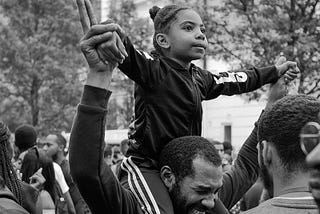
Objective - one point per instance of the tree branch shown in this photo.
(314, 88)
(227, 50)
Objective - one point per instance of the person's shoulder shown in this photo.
(263, 208)
(57, 171)
(56, 167)
(10, 206)
(46, 199)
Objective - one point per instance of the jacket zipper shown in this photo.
(197, 100)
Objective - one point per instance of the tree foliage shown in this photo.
(40, 63)
(255, 32)
(121, 105)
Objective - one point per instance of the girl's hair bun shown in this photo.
(153, 12)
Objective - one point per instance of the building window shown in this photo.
(227, 133)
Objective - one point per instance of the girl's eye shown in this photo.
(203, 30)
(188, 27)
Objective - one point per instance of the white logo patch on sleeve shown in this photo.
(231, 77)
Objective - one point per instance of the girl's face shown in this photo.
(186, 37)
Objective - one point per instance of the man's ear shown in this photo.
(61, 148)
(167, 177)
(266, 153)
(163, 40)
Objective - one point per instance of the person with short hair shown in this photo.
(55, 146)
(309, 141)
(283, 168)
(25, 137)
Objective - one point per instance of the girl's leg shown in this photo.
(144, 181)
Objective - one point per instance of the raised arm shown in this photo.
(95, 180)
(245, 170)
(230, 83)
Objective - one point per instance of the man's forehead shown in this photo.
(205, 173)
(50, 139)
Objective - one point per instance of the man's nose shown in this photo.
(209, 202)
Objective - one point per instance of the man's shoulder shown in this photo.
(285, 206)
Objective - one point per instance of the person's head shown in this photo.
(227, 148)
(179, 33)
(116, 154)
(190, 168)
(25, 137)
(6, 168)
(54, 145)
(219, 147)
(280, 155)
(34, 160)
(309, 141)
(124, 145)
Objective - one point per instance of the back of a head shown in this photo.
(162, 19)
(179, 154)
(281, 126)
(227, 145)
(25, 137)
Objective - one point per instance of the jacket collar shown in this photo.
(175, 65)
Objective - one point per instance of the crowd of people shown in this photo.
(165, 166)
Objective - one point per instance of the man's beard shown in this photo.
(178, 201)
(266, 179)
(54, 156)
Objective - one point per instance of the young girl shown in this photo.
(169, 90)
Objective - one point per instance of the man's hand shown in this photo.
(288, 69)
(97, 35)
(280, 89)
(112, 51)
(37, 180)
(101, 62)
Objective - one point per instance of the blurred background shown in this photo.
(42, 69)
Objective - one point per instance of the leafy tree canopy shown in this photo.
(40, 63)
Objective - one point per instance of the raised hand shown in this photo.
(37, 180)
(98, 34)
(280, 88)
(288, 69)
(105, 44)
